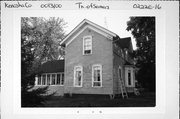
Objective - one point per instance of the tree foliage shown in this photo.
(143, 30)
(39, 40)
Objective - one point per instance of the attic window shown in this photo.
(87, 45)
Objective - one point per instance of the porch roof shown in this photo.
(124, 42)
(52, 67)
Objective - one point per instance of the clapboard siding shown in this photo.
(101, 54)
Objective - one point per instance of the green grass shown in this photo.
(79, 100)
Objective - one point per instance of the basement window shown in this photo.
(87, 45)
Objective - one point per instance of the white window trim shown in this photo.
(42, 80)
(132, 78)
(55, 79)
(50, 79)
(47, 79)
(91, 44)
(37, 80)
(93, 75)
(75, 76)
(61, 80)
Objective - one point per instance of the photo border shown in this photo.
(167, 59)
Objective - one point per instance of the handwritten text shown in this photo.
(91, 6)
(18, 5)
(51, 5)
(140, 6)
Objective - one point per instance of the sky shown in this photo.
(115, 21)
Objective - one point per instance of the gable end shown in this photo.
(92, 28)
(87, 24)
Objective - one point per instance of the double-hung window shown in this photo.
(39, 80)
(48, 79)
(53, 80)
(78, 76)
(62, 80)
(129, 77)
(87, 45)
(43, 79)
(58, 79)
(97, 76)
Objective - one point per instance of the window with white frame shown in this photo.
(97, 76)
(39, 80)
(58, 79)
(87, 45)
(62, 79)
(43, 79)
(78, 76)
(51, 79)
(129, 77)
(48, 79)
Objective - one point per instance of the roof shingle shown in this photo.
(52, 67)
(124, 42)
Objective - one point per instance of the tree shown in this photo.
(39, 39)
(49, 33)
(143, 30)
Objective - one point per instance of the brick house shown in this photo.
(95, 60)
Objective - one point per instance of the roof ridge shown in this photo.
(93, 25)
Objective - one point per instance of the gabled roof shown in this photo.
(52, 67)
(88, 24)
(124, 43)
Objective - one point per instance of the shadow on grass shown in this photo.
(81, 100)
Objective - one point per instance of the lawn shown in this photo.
(144, 100)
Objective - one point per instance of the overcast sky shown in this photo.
(115, 20)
